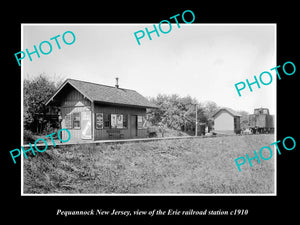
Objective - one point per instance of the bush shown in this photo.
(28, 136)
(197, 165)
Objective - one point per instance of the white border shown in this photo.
(165, 194)
(22, 111)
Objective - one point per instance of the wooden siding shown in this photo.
(73, 102)
(238, 124)
(102, 134)
(224, 122)
(74, 98)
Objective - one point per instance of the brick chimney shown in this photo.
(117, 82)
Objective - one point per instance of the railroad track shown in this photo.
(122, 141)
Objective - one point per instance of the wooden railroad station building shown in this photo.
(93, 111)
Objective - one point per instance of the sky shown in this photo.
(203, 61)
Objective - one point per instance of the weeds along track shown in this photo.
(203, 164)
(122, 141)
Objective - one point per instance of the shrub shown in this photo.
(28, 136)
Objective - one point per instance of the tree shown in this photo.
(244, 119)
(177, 112)
(36, 92)
(210, 108)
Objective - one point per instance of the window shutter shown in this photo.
(125, 121)
(106, 120)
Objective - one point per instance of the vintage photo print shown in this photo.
(169, 109)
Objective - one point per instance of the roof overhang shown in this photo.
(224, 109)
(56, 97)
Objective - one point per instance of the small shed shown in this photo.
(93, 111)
(227, 121)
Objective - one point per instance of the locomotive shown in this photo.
(261, 121)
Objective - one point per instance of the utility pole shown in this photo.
(196, 129)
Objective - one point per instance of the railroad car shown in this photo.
(261, 121)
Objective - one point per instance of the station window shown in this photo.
(76, 120)
(119, 121)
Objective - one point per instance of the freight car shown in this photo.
(261, 121)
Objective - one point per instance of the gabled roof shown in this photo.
(105, 94)
(229, 110)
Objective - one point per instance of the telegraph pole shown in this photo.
(196, 129)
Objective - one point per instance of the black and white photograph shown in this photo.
(183, 113)
(148, 113)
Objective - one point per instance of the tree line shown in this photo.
(179, 113)
(174, 111)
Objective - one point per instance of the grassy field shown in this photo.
(202, 165)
